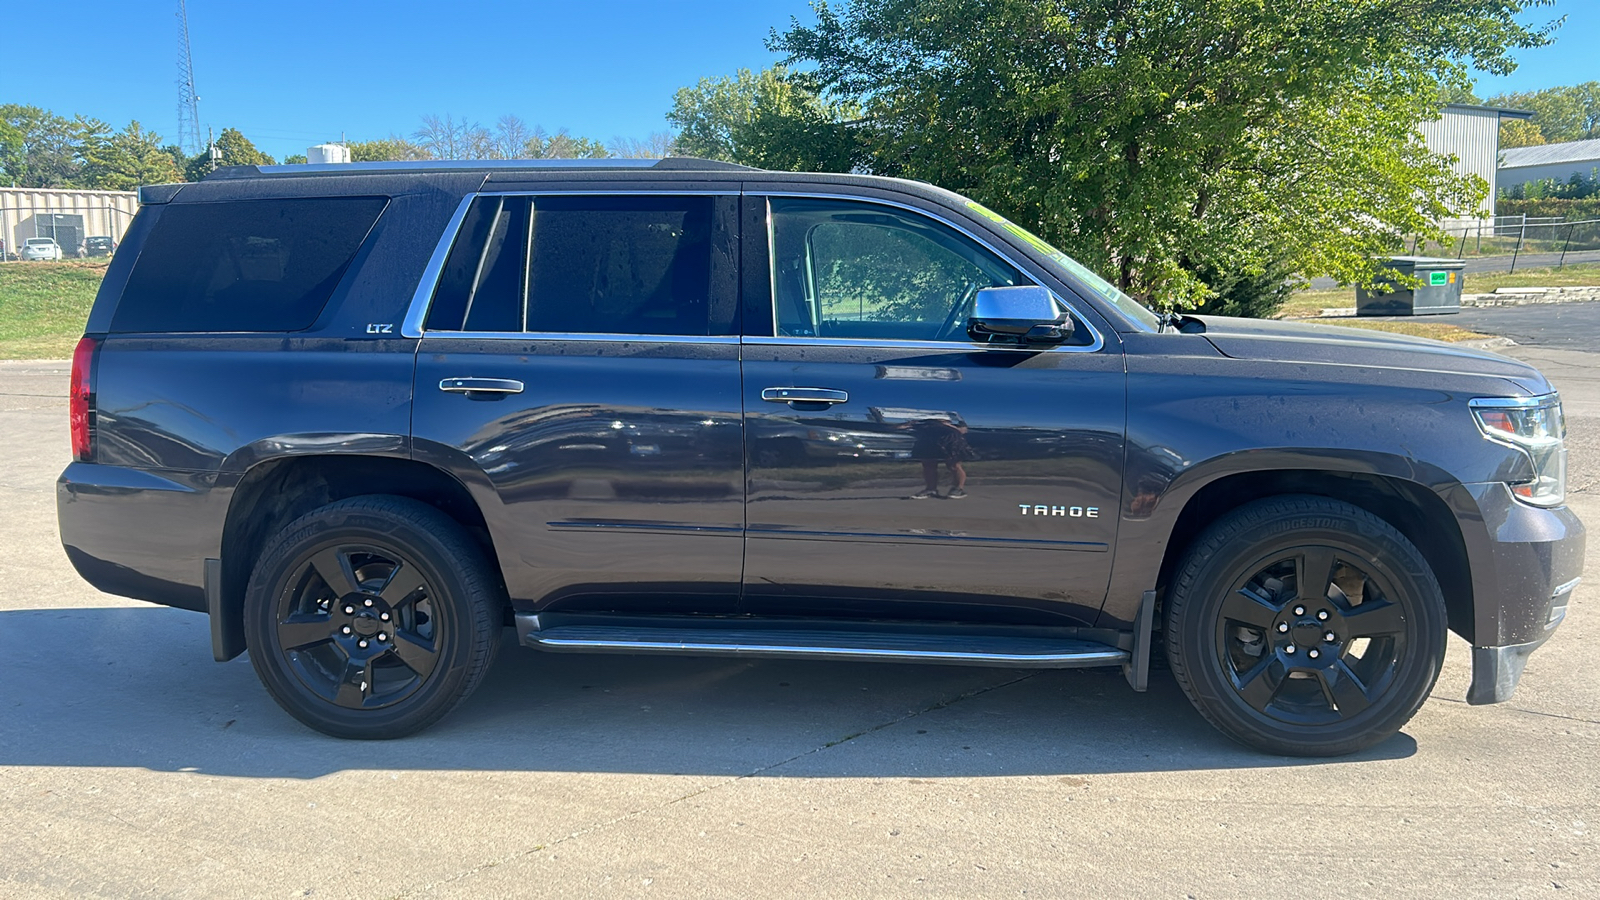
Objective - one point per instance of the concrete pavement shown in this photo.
(131, 765)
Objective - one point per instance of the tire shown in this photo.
(422, 628)
(1252, 650)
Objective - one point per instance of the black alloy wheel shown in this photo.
(1305, 626)
(372, 617)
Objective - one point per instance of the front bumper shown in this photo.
(1525, 562)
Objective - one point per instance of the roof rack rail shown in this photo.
(675, 163)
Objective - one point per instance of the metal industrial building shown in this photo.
(68, 216)
(1471, 134)
(1521, 165)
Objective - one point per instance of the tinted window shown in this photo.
(591, 265)
(856, 270)
(258, 265)
(482, 282)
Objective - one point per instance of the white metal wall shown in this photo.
(105, 213)
(1472, 136)
(1562, 172)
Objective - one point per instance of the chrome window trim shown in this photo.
(610, 337)
(1098, 343)
(893, 344)
(422, 298)
(417, 312)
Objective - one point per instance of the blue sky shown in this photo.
(294, 74)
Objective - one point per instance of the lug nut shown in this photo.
(384, 617)
(1330, 637)
(345, 630)
(349, 610)
(361, 644)
(1322, 615)
(1289, 649)
(1312, 653)
(1299, 610)
(382, 636)
(1282, 627)
(367, 602)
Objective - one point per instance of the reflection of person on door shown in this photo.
(941, 441)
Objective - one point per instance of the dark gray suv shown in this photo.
(367, 416)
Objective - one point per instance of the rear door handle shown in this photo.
(794, 395)
(481, 385)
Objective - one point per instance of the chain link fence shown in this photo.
(1507, 243)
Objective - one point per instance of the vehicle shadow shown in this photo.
(135, 687)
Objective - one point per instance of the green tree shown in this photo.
(41, 149)
(1570, 113)
(390, 149)
(236, 150)
(773, 119)
(126, 159)
(1520, 133)
(562, 145)
(295, 159)
(1172, 144)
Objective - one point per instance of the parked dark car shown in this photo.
(366, 416)
(99, 245)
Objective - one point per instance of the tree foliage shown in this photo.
(235, 150)
(1520, 133)
(124, 160)
(1568, 113)
(1176, 145)
(389, 149)
(773, 119)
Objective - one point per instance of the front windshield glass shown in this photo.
(1129, 307)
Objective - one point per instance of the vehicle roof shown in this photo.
(469, 176)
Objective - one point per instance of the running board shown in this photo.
(941, 646)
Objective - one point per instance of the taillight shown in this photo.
(81, 399)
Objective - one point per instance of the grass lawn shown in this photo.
(1439, 331)
(43, 306)
(1311, 303)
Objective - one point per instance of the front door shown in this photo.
(896, 467)
(579, 371)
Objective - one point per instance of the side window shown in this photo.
(578, 264)
(858, 270)
(250, 265)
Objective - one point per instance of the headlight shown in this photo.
(1535, 426)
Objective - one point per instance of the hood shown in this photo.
(1272, 340)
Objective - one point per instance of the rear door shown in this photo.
(579, 369)
(896, 467)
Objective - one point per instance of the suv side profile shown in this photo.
(365, 417)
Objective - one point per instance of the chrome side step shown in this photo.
(941, 646)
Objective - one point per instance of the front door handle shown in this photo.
(481, 386)
(793, 395)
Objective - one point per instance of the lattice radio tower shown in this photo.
(189, 137)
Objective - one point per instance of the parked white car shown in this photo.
(41, 248)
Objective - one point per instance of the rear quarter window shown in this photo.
(252, 266)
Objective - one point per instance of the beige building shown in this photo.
(66, 215)
(1471, 134)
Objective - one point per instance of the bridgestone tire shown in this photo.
(1252, 649)
(424, 606)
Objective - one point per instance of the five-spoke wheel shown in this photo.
(371, 617)
(1306, 626)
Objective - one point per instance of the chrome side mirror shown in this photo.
(1026, 314)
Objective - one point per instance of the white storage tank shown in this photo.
(328, 153)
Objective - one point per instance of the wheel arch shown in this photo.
(274, 492)
(1417, 512)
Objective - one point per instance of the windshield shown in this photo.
(1129, 307)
